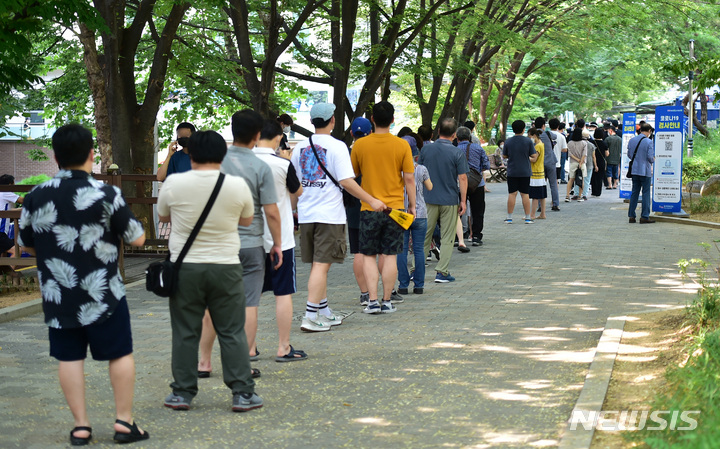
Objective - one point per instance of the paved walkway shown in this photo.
(495, 359)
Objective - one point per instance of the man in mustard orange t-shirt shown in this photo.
(386, 165)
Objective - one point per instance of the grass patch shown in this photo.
(694, 385)
(703, 205)
(706, 158)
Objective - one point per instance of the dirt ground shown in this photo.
(651, 343)
(17, 297)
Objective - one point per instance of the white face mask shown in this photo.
(286, 129)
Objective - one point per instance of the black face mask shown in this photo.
(183, 141)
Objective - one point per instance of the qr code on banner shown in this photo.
(668, 145)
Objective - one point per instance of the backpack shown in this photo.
(553, 139)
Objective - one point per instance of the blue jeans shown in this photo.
(639, 182)
(418, 230)
(563, 159)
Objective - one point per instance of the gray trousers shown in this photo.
(219, 288)
(551, 176)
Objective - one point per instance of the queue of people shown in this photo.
(246, 193)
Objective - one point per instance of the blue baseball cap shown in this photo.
(361, 127)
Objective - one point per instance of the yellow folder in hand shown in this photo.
(404, 219)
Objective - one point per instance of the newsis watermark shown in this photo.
(614, 420)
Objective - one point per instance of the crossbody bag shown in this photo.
(630, 165)
(348, 199)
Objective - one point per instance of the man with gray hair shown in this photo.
(549, 141)
(479, 162)
(448, 169)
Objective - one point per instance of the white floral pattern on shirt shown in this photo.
(76, 223)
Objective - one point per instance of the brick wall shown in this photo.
(14, 161)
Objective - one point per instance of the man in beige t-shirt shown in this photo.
(211, 274)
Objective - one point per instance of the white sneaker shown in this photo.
(309, 325)
(332, 320)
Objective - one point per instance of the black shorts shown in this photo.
(283, 280)
(354, 238)
(379, 234)
(108, 340)
(5, 243)
(516, 184)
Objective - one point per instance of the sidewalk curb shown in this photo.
(20, 310)
(596, 384)
(35, 306)
(592, 395)
(686, 221)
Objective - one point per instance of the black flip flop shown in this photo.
(204, 374)
(291, 356)
(255, 373)
(256, 357)
(131, 437)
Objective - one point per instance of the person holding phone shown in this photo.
(178, 159)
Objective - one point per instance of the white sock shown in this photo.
(311, 311)
(324, 309)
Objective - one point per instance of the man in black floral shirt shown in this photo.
(74, 225)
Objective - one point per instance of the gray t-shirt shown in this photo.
(242, 162)
(518, 150)
(550, 159)
(421, 175)
(444, 163)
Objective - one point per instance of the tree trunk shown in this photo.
(129, 127)
(701, 129)
(342, 32)
(97, 87)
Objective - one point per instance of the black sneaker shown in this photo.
(418, 290)
(395, 296)
(402, 291)
(476, 242)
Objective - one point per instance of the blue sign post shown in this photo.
(628, 124)
(667, 170)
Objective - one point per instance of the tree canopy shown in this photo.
(118, 63)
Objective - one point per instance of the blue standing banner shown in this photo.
(667, 170)
(628, 132)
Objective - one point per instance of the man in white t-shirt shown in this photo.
(321, 214)
(211, 275)
(560, 149)
(281, 281)
(7, 202)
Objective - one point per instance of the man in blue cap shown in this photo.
(360, 127)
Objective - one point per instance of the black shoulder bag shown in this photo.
(629, 172)
(348, 200)
(474, 177)
(161, 277)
